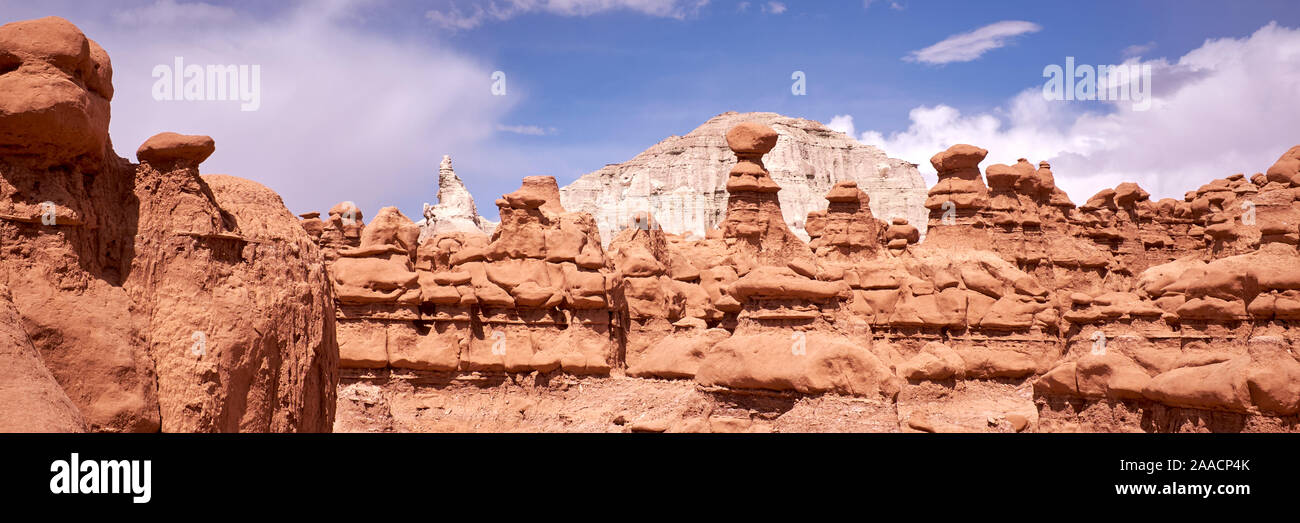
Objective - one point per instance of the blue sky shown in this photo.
(362, 98)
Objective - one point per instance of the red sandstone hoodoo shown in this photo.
(1119, 304)
(144, 297)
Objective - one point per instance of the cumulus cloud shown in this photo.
(1226, 107)
(344, 114)
(456, 17)
(969, 46)
(842, 123)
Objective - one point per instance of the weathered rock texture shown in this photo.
(682, 180)
(455, 211)
(143, 297)
(1020, 311)
(533, 296)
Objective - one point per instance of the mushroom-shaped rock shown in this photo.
(348, 212)
(750, 141)
(958, 157)
(172, 148)
(55, 87)
(536, 192)
(1128, 193)
(751, 138)
(754, 222)
(901, 230)
(960, 184)
(1287, 168)
(847, 192)
(1001, 176)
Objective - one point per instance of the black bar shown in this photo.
(580, 471)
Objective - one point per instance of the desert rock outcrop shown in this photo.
(455, 210)
(682, 180)
(156, 298)
(1054, 316)
(535, 296)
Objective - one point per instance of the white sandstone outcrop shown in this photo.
(682, 179)
(455, 211)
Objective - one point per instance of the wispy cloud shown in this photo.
(170, 12)
(965, 47)
(1138, 50)
(531, 130)
(775, 8)
(897, 6)
(456, 18)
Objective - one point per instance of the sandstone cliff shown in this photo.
(143, 297)
(681, 181)
(1021, 311)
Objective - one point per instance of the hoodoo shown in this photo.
(1018, 311)
(143, 297)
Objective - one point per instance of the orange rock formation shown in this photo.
(143, 297)
(1121, 303)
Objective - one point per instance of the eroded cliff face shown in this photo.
(1020, 311)
(144, 296)
(533, 296)
(681, 181)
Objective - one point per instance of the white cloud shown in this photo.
(531, 130)
(842, 123)
(965, 47)
(1226, 107)
(775, 8)
(1138, 49)
(455, 18)
(344, 115)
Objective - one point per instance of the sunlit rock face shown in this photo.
(143, 297)
(682, 180)
(455, 210)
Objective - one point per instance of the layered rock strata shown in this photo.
(1179, 311)
(682, 180)
(538, 295)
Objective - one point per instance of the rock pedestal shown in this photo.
(754, 226)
